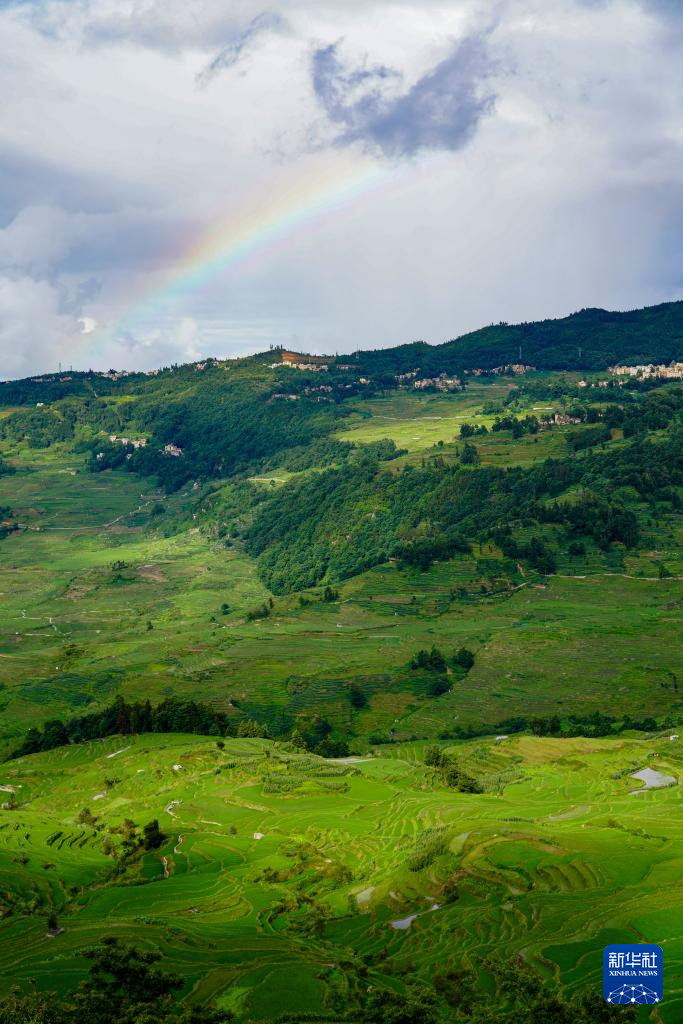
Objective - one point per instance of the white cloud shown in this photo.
(117, 167)
(34, 331)
(88, 324)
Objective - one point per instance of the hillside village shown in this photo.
(650, 371)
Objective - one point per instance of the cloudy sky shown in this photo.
(209, 178)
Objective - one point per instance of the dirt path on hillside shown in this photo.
(100, 526)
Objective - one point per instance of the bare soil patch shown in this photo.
(153, 573)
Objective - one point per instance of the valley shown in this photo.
(351, 691)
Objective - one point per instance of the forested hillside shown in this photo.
(591, 339)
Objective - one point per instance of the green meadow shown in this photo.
(419, 422)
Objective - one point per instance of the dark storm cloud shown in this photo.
(440, 111)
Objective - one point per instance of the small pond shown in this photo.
(652, 779)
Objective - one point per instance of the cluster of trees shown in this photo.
(54, 388)
(177, 715)
(469, 455)
(450, 770)
(314, 733)
(329, 451)
(123, 718)
(40, 428)
(468, 430)
(69, 419)
(262, 612)
(520, 997)
(124, 985)
(535, 552)
(519, 427)
(224, 421)
(434, 660)
(655, 411)
(650, 467)
(579, 440)
(606, 520)
(133, 843)
(224, 424)
(592, 725)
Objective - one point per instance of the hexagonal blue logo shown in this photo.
(632, 973)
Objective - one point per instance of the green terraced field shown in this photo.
(281, 874)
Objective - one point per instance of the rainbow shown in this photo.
(251, 234)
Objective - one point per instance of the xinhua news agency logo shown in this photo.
(632, 973)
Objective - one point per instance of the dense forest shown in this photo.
(345, 520)
(591, 339)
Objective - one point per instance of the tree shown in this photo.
(331, 748)
(37, 1008)
(418, 1005)
(152, 836)
(125, 986)
(357, 697)
(438, 686)
(469, 456)
(464, 658)
(249, 728)
(456, 778)
(297, 740)
(433, 756)
(432, 660)
(108, 848)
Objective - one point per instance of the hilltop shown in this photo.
(590, 339)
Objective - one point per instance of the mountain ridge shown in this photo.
(648, 333)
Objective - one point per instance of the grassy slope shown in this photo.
(556, 847)
(595, 636)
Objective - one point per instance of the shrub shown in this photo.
(464, 658)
